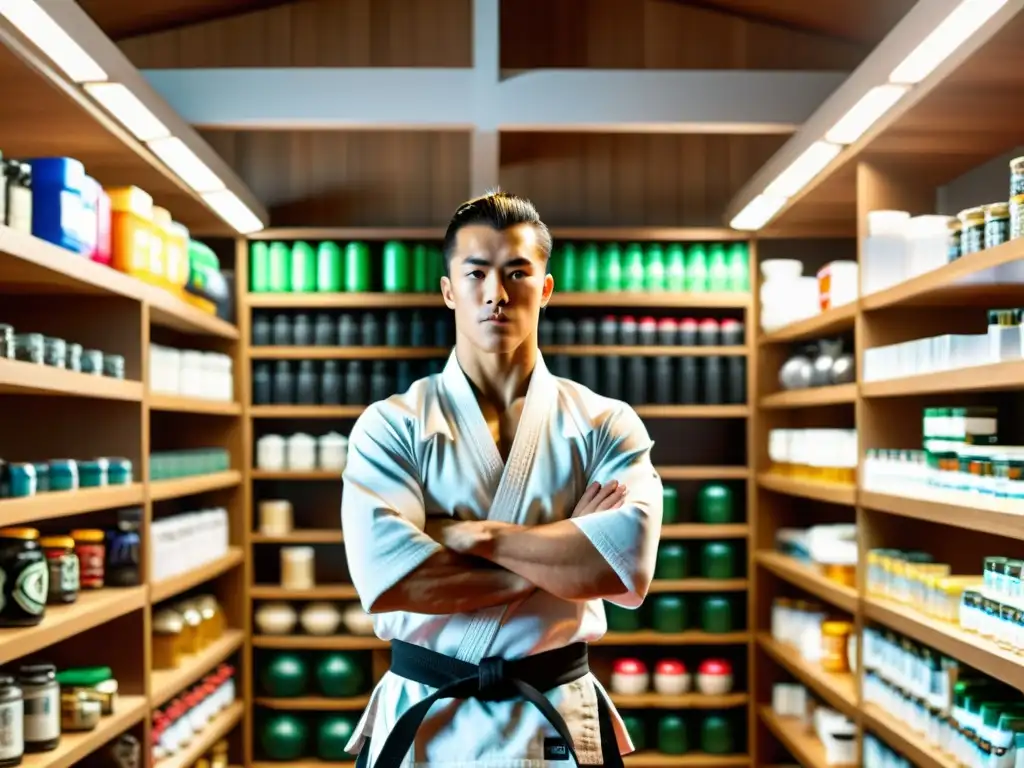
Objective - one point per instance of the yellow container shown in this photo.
(835, 637)
(158, 246)
(131, 231)
(176, 257)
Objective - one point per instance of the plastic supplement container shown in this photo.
(132, 230)
(927, 244)
(885, 251)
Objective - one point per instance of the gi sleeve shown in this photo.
(626, 537)
(382, 510)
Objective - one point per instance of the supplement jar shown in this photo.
(89, 547)
(62, 564)
(997, 224)
(41, 694)
(26, 579)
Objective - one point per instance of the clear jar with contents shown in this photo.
(954, 229)
(297, 568)
(62, 563)
(972, 232)
(41, 693)
(997, 224)
(12, 729)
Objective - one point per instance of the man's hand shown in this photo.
(472, 537)
(598, 498)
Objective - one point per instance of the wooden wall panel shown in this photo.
(631, 179)
(351, 178)
(319, 33)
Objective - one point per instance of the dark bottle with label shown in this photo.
(636, 391)
(687, 332)
(325, 332)
(663, 380)
(611, 378)
(370, 331)
(736, 384)
(609, 330)
(284, 383)
(302, 330)
(586, 331)
(348, 331)
(713, 380)
(380, 382)
(589, 372)
(565, 332)
(417, 330)
(403, 376)
(708, 332)
(261, 331)
(355, 384)
(261, 384)
(668, 332)
(394, 330)
(122, 550)
(731, 332)
(546, 332)
(441, 326)
(282, 331)
(306, 386)
(647, 331)
(628, 331)
(41, 693)
(686, 382)
(330, 383)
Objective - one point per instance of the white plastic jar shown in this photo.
(270, 453)
(301, 452)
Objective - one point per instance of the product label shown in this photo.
(31, 587)
(12, 739)
(555, 749)
(42, 712)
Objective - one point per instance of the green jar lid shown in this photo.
(84, 677)
(672, 735)
(118, 463)
(93, 466)
(63, 467)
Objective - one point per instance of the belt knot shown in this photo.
(492, 683)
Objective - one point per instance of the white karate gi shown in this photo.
(428, 453)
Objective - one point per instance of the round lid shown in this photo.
(648, 321)
(709, 322)
(57, 542)
(688, 322)
(715, 667)
(190, 613)
(630, 667)
(37, 671)
(207, 606)
(87, 534)
(670, 667)
(729, 322)
(628, 319)
(667, 322)
(168, 622)
(608, 319)
(26, 534)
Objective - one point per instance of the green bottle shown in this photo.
(259, 267)
(716, 736)
(675, 268)
(396, 267)
(672, 735)
(669, 613)
(420, 268)
(716, 560)
(654, 273)
(280, 267)
(718, 269)
(611, 268)
(636, 730)
(621, 619)
(340, 675)
(669, 505)
(283, 736)
(671, 562)
(714, 504)
(357, 267)
(716, 614)
(437, 268)
(633, 268)
(570, 269)
(697, 269)
(303, 267)
(285, 675)
(739, 268)
(332, 736)
(590, 269)
(328, 267)
(555, 266)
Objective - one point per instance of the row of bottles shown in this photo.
(628, 331)
(612, 267)
(359, 382)
(367, 329)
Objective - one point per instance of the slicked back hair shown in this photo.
(500, 210)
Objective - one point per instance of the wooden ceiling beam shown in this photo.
(788, 25)
(122, 21)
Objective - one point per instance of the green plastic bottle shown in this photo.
(611, 268)
(716, 614)
(357, 267)
(437, 270)
(739, 268)
(570, 269)
(555, 266)
(672, 735)
(669, 613)
(397, 274)
(675, 268)
(332, 736)
(633, 268)
(672, 562)
(669, 505)
(303, 267)
(654, 272)
(283, 736)
(590, 269)
(621, 619)
(718, 269)
(715, 504)
(717, 561)
(697, 269)
(716, 736)
(285, 675)
(420, 268)
(259, 267)
(328, 267)
(280, 267)
(637, 731)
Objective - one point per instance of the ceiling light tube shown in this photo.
(124, 105)
(757, 212)
(966, 19)
(865, 113)
(233, 211)
(800, 172)
(48, 36)
(184, 162)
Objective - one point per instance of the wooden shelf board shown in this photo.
(652, 759)
(175, 585)
(314, 234)
(828, 323)
(161, 490)
(54, 504)
(318, 643)
(978, 378)
(839, 394)
(703, 473)
(833, 493)
(667, 300)
(692, 637)
(344, 300)
(683, 701)
(322, 592)
(640, 234)
(704, 531)
(300, 536)
(348, 353)
(316, 703)
(306, 411)
(999, 517)
(288, 474)
(179, 404)
(653, 350)
(839, 690)
(900, 737)
(219, 727)
(972, 649)
(793, 735)
(21, 378)
(164, 684)
(659, 586)
(93, 608)
(168, 311)
(692, 411)
(76, 746)
(809, 579)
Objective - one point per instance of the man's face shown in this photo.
(497, 283)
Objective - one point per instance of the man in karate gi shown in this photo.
(487, 512)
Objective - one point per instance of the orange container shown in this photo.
(131, 231)
(176, 257)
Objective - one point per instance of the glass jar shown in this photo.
(297, 568)
(168, 627)
(122, 566)
(89, 546)
(192, 642)
(213, 624)
(26, 577)
(953, 248)
(41, 692)
(997, 224)
(972, 233)
(62, 563)
(12, 738)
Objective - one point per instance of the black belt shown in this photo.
(495, 679)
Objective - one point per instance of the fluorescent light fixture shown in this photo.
(130, 112)
(865, 113)
(48, 36)
(803, 169)
(964, 21)
(233, 211)
(184, 162)
(757, 212)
